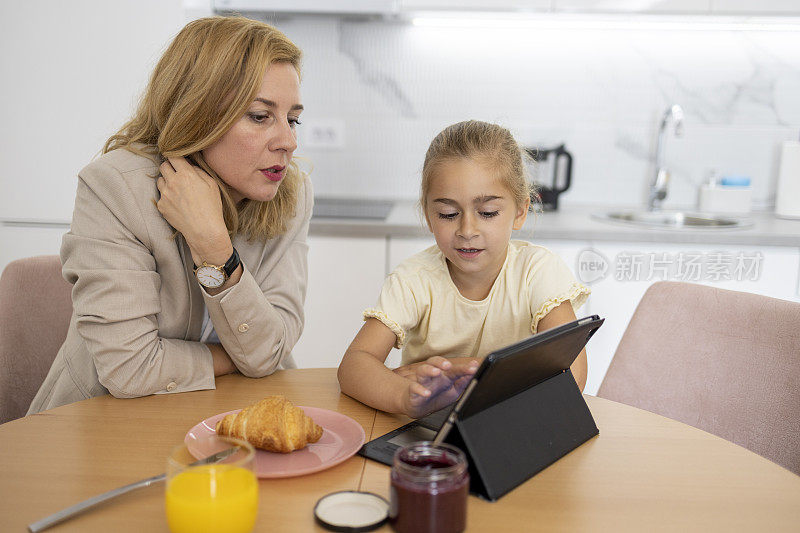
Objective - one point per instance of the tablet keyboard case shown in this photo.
(528, 414)
(511, 441)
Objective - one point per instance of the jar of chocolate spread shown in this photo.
(429, 488)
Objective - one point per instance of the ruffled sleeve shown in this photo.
(551, 283)
(396, 308)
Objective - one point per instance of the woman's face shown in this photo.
(252, 156)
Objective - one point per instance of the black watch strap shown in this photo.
(232, 263)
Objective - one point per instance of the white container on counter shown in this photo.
(787, 194)
(730, 194)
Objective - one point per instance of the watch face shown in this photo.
(210, 277)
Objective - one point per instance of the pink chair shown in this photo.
(722, 361)
(35, 310)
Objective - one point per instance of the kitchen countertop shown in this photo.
(568, 223)
(574, 223)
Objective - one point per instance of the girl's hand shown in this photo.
(191, 203)
(435, 383)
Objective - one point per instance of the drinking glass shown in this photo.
(219, 497)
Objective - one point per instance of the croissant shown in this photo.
(273, 424)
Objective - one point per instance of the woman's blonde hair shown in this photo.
(204, 82)
(487, 143)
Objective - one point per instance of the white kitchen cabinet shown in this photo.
(633, 267)
(26, 240)
(307, 6)
(626, 6)
(748, 7)
(665, 7)
(476, 5)
(344, 278)
(391, 7)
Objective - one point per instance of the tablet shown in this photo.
(502, 374)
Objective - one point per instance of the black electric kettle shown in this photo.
(561, 164)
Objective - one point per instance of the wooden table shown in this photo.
(643, 473)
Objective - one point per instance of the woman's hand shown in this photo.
(191, 203)
(223, 364)
(435, 383)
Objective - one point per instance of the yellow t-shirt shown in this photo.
(422, 306)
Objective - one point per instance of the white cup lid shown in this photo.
(351, 511)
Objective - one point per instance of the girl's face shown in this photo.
(471, 214)
(252, 156)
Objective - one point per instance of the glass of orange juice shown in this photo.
(220, 497)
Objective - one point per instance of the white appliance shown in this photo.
(787, 194)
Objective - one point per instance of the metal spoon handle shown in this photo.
(69, 512)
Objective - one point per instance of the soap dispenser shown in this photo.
(730, 194)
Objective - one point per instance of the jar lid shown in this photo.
(351, 511)
(429, 462)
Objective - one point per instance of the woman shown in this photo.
(187, 248)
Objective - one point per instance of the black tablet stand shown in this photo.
(510, 441)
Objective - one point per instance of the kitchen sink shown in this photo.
(673, 220)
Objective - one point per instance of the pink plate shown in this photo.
(341, 439)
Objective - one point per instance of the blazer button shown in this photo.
(172, 386)
(243, 328)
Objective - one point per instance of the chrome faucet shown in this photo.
(658, 187)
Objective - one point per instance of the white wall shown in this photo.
(394, 86)
(72, 71)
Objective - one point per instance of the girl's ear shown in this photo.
(522, 214)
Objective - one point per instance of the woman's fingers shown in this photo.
(166, 169)
(185, 167)
(180, 164)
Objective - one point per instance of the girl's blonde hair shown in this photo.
(204, 82)
(485, 142)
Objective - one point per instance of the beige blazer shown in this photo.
(137, 307)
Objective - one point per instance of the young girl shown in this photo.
(476, 291)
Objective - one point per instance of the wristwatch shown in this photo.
(213, 276)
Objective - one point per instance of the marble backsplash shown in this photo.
(393, 86)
